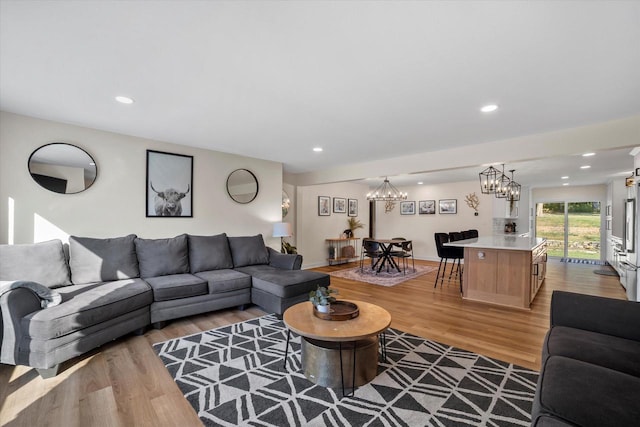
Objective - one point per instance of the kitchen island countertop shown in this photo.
(500, 242)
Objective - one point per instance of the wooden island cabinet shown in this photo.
(505, 270)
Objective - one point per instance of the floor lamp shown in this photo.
(282, 230)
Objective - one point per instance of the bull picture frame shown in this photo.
(169, 187)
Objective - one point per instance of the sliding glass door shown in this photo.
(572, 229)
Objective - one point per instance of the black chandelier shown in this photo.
(492, 181)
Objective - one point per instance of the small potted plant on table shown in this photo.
(321, 298)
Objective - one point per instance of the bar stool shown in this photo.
(448, 253)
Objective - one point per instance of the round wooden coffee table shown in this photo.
(330, 348)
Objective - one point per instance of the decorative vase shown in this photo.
(324, 308)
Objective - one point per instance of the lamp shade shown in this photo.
(282, 229)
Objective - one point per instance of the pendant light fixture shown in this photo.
(513, 189)
(488, 178)
(386, 192)
(501, 185)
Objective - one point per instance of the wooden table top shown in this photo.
(371, 321)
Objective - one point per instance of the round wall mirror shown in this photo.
(242, 186)
(62, 168)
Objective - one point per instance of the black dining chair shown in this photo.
(448, 253)
(370, 249)
(405, 252)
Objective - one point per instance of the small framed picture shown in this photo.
(324, 205)
(427, 207)
(407, 208)
(353, 207)
(169, 185)
(339, 205)
(448, 206)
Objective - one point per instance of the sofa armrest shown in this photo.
(608, 316)
(14, 305)
(284, 261)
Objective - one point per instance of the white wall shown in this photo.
(421, 228)
(115, 204)
(312, 229)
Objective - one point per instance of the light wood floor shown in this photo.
(124, 383)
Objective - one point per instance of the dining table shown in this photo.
(386, 257)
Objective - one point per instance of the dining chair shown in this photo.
(447, 253)
(370, 249)
(405, 253)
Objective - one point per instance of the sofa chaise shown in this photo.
(590, 373)
(56, 306)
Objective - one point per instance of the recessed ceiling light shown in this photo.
(489, 108)
(317, 149)
(564, 177)
(92, 164)
(566, 183)
(588, 154)
(585, 167)
(420, 182)
(124, 99)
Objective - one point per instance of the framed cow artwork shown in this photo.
(169, 185)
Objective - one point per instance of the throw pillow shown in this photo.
(161, 257)
(44, 263)
(102, 260)
(248, 250)
(209, 253)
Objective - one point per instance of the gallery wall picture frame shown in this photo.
(427, 207)
(352, 207)
(407, 208)
(448, 206)
(339, 205)
(169, 189)
(324, 205)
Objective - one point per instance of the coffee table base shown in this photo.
(322, 364)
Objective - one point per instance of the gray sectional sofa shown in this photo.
(106, 288)
(590, 373)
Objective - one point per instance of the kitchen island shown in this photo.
(503, 269)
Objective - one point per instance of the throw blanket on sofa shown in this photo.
(48, 297)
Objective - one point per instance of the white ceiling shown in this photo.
(364, 80)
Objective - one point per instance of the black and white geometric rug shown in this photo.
(234, 376)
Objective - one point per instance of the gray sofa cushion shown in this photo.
(87, 305)
(220, 281)
(248, 250)
(43, 263)
(285, 283)
(102, 260)
(161, 257)
(605, 350)
(209, 253)
(177, 286)
(586, 394)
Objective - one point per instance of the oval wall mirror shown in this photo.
(286, 203)
(62, 168)
(242, 186)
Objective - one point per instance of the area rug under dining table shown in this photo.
(383, 278)
(234, 376)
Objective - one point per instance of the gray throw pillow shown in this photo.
(209, 253)
(161, 257)
(248, 250)
(102, 260)
(43, 263)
